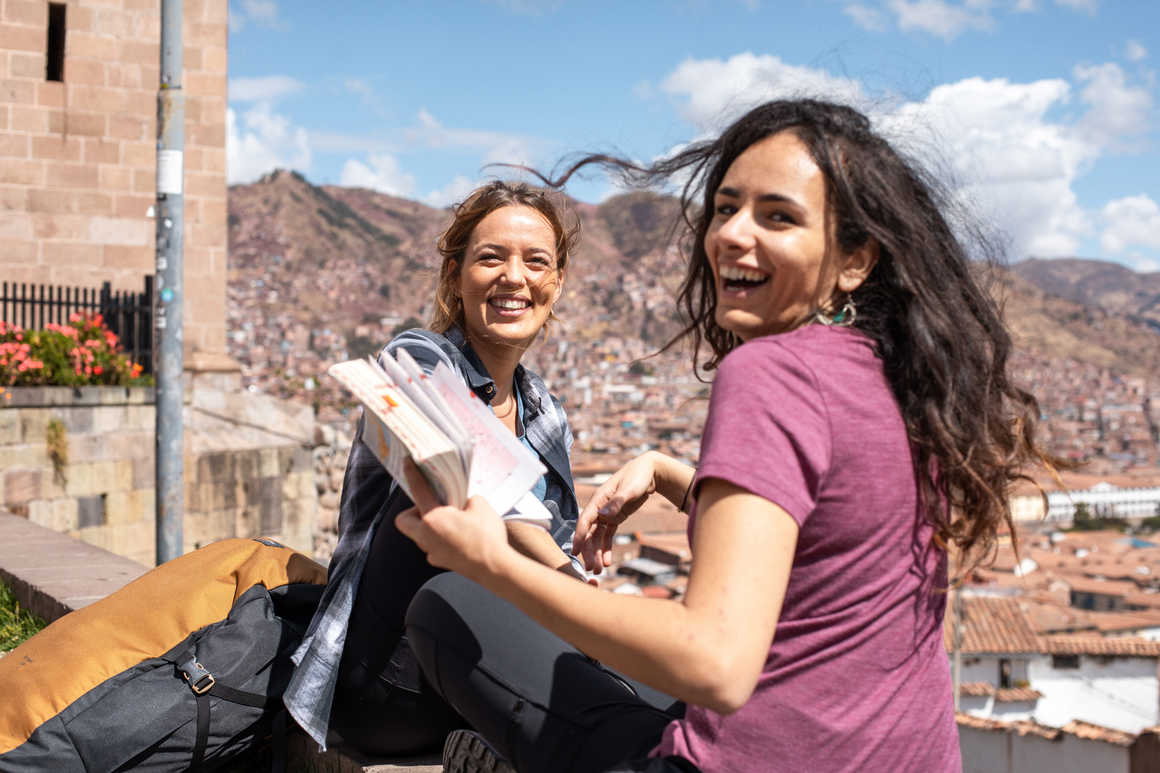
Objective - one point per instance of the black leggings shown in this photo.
(540, 702)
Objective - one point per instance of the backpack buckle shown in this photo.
(199, 678)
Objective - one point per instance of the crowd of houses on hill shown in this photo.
(1091, 414)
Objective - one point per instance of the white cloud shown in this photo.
(497, 147)
(1116, 109)
(865, 17)
(383, 174)
(1009, 161)
(262, 141)
(1130, 221)
(1013, 151)
(452, 193)
(717, 91)
(940, 18)
(264, 13)
(1088, 6)
(266, 89)
(1026, 6)
(1135, 51)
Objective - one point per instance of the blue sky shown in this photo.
(1042, 113)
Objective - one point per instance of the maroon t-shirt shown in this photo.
(856, 677)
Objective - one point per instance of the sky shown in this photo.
(1042, 115)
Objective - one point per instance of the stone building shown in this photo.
(78, 138)
(78, 161)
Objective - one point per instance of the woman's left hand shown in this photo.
(467, 541)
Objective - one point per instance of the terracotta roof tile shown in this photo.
(1076, 728)
(991, 624)
(1087, 730)
(1016, 694)
(1129, 646)
(976, 689)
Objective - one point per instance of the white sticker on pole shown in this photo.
(169, 172)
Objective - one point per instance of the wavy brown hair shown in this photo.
(452, 245)
(938, 332)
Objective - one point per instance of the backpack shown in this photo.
(181, 669)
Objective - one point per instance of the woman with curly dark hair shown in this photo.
(861, 422)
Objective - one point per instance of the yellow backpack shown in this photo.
(182, 668)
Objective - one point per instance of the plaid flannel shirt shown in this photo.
(369, 493)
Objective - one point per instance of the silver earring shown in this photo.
(844, 318)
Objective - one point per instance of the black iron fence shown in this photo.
(128, 314)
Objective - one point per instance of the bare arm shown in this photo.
(622, 495)
(707, 649)
(537, 544)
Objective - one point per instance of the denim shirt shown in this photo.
(369, 494)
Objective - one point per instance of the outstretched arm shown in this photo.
(622, 495)
(707, 649)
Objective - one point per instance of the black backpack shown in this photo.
(181, 669)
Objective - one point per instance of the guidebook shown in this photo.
(452, 436)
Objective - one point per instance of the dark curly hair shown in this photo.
(938, 332)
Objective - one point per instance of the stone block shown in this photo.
(136, 540)
(93, 510)
(97, 536)
(22, 485)
(77, 420)
(34, 456)
(61, 515)
(32, 424)
(268, 463)
(122, 479)
(141, 417)
(247, 522)
(109, 419)
(227, 495)
(88, 478)
(52, 486)
(125, 507)
(10, 428)
(145, 472)
(88, 448)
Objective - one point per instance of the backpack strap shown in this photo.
(204, 687)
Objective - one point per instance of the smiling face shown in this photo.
(509, 278)
(768, 238)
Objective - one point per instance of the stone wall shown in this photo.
(240, 479)
(78, 156)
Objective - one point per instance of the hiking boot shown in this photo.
(465, 751)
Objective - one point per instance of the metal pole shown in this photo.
(169, 213)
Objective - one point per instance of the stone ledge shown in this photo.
(65, 397)
(51, 574)
(303, 757)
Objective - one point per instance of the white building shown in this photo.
(1103, 498)
(1009, 673)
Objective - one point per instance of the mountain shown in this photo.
(336, 257)
(1110, 286)
(1091, 311)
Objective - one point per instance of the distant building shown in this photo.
(1118, 497)
(1009, 673)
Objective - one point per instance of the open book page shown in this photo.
(408, 376)
(502, 470)
(395, 428)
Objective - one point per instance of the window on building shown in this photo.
(54, 64)
(1004, 674)
(1064, 661)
